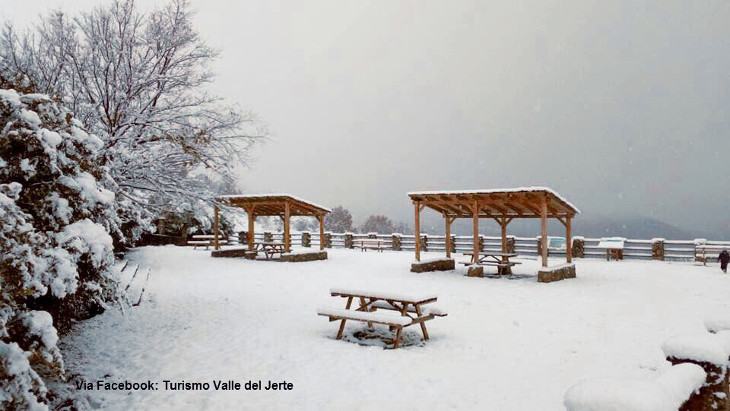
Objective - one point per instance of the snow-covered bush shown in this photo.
(56, 213)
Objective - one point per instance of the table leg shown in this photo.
(342, 323)
(397, 337)
(423, 324)
(364, 307)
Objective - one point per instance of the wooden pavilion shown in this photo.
(282, 205)
(502, 205)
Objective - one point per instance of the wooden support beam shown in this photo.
(251, 218)
(543, 218)
(568, 241)
(216, 243)
(503, 225)
(448, 236)
(475, 229)
(320, 218)
(417, 225)
(287, 216)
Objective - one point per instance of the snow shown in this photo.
(612, 243)
(718, 322)
(385, 295)
(98, 241)
(30, 117)
(499, 190)
(702, 347)
(507, 343)
(235, 196)
(668, 392)
(394, 318)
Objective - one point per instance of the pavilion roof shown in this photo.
(274, 204)
(520, 202)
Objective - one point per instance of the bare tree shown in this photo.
(339, 220)
(138, 82)
(377, 224)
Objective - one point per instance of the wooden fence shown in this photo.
(656, 249)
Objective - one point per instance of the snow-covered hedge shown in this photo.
(56, 213)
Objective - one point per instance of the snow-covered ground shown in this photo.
(506, 344)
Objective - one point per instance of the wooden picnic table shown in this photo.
(410, 306)
(500, 260)
(269, 248)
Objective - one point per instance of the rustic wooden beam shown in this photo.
(321, 231)
(216, 243)
(250, 210)
(417, 228)
(475, 227)
(447, 231)
(568, 241)
(287, 240)
(543, 217)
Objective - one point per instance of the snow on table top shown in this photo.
(235, 196)
(409, 297)
(365, 316)
(667, 392)
(499, 190)
(703, 347)
(718, 322)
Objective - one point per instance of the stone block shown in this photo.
(445, 264)
(551, 274)
(475, 271)
(302, 257)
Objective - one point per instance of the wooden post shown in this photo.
(251, 218)
(503, 224)
(418, 230)
(321, 232)
(287, 215)
(215, 228)
(448, 236)
(543, 218)
(475, 227)
(568, 241)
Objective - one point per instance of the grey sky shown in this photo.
(622, 107)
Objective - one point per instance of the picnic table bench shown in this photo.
(371, 243)
(205, 240)
(410, 308)
(268, 249)
(499, 260)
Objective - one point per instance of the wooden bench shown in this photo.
(703, 252)
(369, 243)
(205, 240)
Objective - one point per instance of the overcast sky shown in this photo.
(623, 107)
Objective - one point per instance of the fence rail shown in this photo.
(637, 249)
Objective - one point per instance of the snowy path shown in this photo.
(506, 344)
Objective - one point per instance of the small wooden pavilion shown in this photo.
(282, 205)
(502, 205)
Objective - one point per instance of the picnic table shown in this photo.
(268, 249)
(500, 260)
(409, 306)
(372, 243)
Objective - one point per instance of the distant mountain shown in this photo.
(631, 227)
(596, 226)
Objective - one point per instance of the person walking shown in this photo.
(724, 257)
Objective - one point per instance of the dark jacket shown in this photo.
(724, 257)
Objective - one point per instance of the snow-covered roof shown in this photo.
(558, 202)
(240, 200)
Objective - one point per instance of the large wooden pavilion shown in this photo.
(282, 205)
(502, 205)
